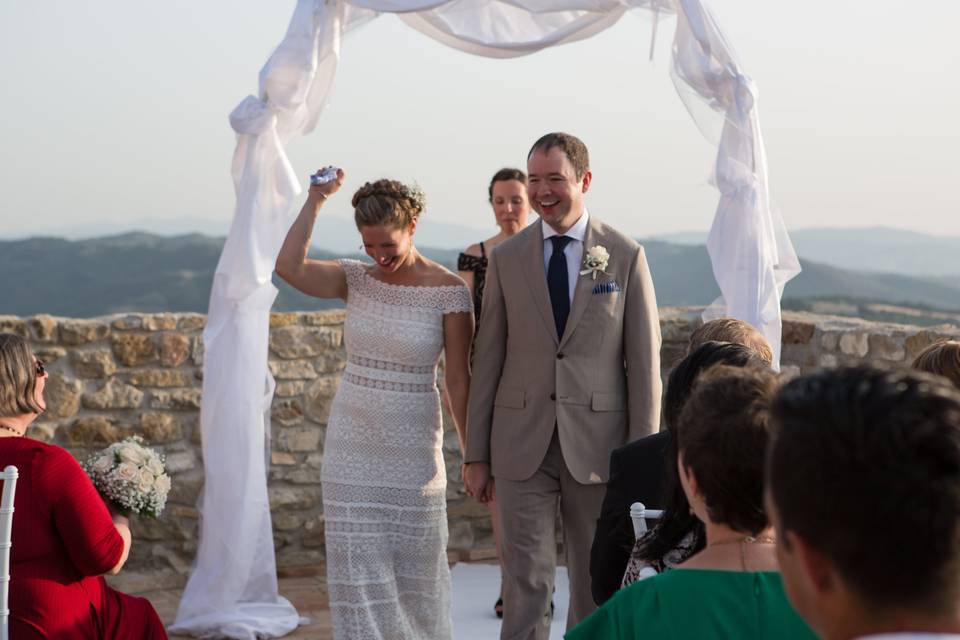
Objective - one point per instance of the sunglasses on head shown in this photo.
(41, 370)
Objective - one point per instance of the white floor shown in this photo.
(475, 588)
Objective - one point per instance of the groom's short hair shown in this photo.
(864, 466)
(571, 146)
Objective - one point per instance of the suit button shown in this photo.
(553, 396)
(560, 356)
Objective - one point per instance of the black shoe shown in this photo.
(498, 608)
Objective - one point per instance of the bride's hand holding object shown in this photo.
(325, 182)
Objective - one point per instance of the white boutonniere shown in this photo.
(595, 261)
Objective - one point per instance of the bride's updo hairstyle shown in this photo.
(387, 203)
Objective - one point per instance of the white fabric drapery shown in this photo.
(232, 591)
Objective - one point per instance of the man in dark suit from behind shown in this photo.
(637, 469)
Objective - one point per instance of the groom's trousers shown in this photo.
(528, 512)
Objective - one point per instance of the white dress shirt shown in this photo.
(573, 251)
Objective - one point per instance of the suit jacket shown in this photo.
(598, 384)
(636, 475)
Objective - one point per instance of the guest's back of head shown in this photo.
(941, 358)
(864, 485)
(731, 330)
(722, 436)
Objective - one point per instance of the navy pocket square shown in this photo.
(606, 287)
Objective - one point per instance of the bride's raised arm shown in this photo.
(318, 278)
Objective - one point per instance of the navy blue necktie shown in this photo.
(558, 282)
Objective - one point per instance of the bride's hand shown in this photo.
(321, 192)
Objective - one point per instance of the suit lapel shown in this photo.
(582, 293)
(536, 278)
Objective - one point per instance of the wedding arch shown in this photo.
(233, 588)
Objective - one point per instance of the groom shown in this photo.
(566, 368)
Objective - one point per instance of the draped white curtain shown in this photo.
(232, 591)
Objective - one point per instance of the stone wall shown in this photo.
(141, 374)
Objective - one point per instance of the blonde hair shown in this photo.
(18, 377)
(731, 330)
(388, 203)
(941, 358)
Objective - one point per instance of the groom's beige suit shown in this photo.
(546, 410)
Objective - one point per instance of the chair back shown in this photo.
(640, 514)
(9, 477)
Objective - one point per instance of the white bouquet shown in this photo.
(131, 476)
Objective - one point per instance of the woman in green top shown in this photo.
(731, 589)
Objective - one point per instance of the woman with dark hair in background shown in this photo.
(64, 537)
(508, 197)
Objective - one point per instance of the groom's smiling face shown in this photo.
(554, 189)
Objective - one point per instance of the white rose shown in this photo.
(126, 471)
(145, 480)
(129, 453)
(103, 464)
(598, 253)
(155, 466)
(163, 485)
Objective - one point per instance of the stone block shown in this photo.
(62, 396)
(76, 332)
(297, 476)
(161, 378)
(829, 341)
(854, 344)
(197, 349)
(281, 458)
(678, 329)
(294, 556)
(797, 332)
(49, 353)
(916, 343)
(180, 461)
(158, 427)
(789, 371)
(467, 508)
(313, 531)
(284, 319)
(288, 388)
(886, 347)
(42, 431)
(314, 460)
(185, 488)
(128, 322)
(190, 322)
(174, 349)
(94, 431)
(93, 363)
(287, 521)
(177, 400)
(160, 322)
(287, 412)
(304, 342)
(461, 536)
(292, 369)
(293, 497)
(113, 395)
(13, 324)
(325, 318)
(828, 360)
(333, 361)
(44, 328)
(133, 349)
(296, 439)
(319, 397)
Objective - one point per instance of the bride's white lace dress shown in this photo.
(384, 479)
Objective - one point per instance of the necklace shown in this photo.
(6, 427)
(743, 541)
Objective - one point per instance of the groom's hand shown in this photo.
(477, 479)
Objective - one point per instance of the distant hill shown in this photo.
(145, 272)
(876, 249)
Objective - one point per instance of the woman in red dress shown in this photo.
(64, 538)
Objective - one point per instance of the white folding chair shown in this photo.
(9, 477)
(640, 514)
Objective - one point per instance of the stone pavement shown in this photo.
(307, 593)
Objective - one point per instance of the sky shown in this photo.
(116, 110)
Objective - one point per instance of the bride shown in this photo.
(384, 478)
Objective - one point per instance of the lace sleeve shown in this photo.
(458, 300)
(354, 271)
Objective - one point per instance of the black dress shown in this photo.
(479, 268)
